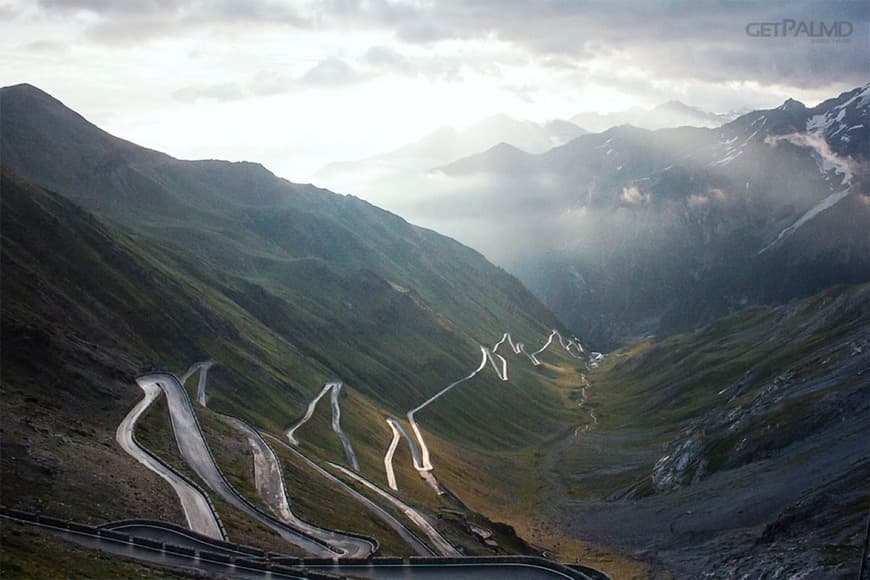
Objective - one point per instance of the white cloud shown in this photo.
(380, 73)
(697, 200)
(828, 160)
(331, 71)
(632, 195)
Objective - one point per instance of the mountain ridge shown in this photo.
(728, 201)
(673, 113)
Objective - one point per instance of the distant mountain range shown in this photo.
(633, 231)
(370, 177)
(388, 178)
(669, 114)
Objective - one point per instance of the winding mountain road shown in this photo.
(442, 546)
(425, 463)
(336, 426)
(406, 534)
(269, 481)
(268, 477)
(309, 411)
(197, 510)
(501, 373)
(388, 456)
(335, 387)
(202, 367)
(270, 485)
(565, 344)
(195, 452)
(399, 429)
(535, 354)
(422, 461)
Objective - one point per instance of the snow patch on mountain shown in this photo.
(817, 123)
(730, 155)
(826, 203)
(836, 122)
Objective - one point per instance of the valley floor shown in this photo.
(735, 451)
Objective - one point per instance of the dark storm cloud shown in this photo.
(676, 39)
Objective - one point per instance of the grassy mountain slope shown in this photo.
(727, 448)
(392, 309)
(84, 309)
(284, 286)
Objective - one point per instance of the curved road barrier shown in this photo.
(197, 509)
(160, 554)
(179, 537)
(223, 559)
(458, 569)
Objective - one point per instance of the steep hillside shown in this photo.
(285, 286)
(321, 270)
(737, 449)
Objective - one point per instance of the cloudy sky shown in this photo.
(297, 84)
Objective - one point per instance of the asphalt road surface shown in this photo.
(197, 510)
(195, 452)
